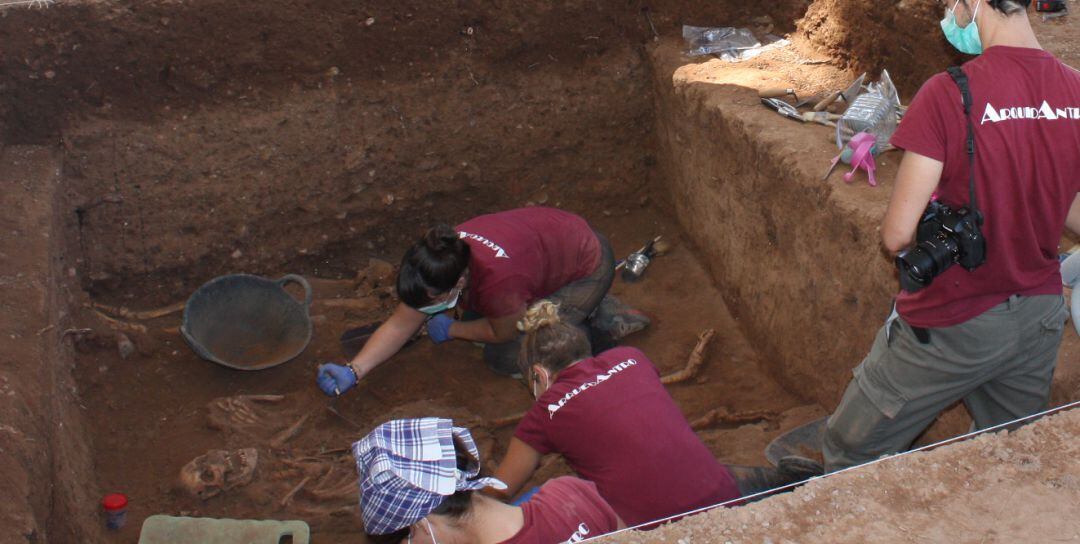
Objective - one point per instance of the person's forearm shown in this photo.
(477, 330)
(517, 467)
(387, 340)
(1072, 221)
(916, 180)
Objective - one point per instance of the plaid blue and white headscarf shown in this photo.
(408, 467)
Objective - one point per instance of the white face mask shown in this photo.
(450, 302)
(430, 532)
(443, 306)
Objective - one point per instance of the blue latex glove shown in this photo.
(335, 379)
(438, 328)
(525, 496)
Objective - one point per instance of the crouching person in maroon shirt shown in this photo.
(418, 483)
(492, 267)
(615, 424)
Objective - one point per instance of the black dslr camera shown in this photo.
(944, 237)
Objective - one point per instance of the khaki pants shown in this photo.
(1000, 363)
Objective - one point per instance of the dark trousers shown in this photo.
(577, 301)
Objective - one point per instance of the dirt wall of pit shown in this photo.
(50, 494)
(217, 136)
(797, 259)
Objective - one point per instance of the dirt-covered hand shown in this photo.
(438, 328)
(335, 379)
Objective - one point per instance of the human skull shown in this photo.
(217, 471)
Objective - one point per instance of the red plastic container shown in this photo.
(115, 505)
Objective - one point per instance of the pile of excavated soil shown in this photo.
(1008, 487)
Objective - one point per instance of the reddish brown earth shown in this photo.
(1011, 487)
(275, 137)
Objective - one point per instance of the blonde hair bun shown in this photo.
(543, 313)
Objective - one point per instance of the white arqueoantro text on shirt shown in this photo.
(600, 378)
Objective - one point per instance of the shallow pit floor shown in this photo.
(148, 414)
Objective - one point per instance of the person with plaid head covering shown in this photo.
(418, 477)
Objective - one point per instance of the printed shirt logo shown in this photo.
(500, 253)
(578, 535)
(997, 115)
(600, 378)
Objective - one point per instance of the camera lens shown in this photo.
(916, 269)
(926, 260)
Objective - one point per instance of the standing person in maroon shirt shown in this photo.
(615, 424)
(987, 335)
(494, 265)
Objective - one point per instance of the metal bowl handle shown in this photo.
(303, 283)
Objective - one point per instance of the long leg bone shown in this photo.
(140, 315)
(693, 363)
(722, 416)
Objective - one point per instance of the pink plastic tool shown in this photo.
(861, 152)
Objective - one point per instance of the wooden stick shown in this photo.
(693, 363)
(289, 496)
(140, 315)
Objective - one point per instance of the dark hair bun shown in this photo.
(441, 238)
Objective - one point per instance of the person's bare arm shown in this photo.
(488, 331)
(388, 339)
(1072, 221)
(916, 181)
(516, 468)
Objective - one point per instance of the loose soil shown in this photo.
(1006, 487)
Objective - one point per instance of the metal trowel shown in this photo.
(848, 94)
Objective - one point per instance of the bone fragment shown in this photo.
(136, 315)
(504, 421)
(121, 325)
(693, 363)
(720, 415)
(289, 496)
(291, 431)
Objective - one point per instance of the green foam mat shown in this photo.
(161, 529)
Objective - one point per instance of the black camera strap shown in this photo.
(961, 80)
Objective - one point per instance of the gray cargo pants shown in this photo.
(1000, 363)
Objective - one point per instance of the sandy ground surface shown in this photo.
(1010, 487)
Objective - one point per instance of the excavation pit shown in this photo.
(159, 146)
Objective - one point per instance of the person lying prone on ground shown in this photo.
(418, 483)
(615, 424)
(494, 265)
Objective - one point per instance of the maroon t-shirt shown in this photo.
(616, 425)
(1026, 110)
(566, 509)
(520, 256)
